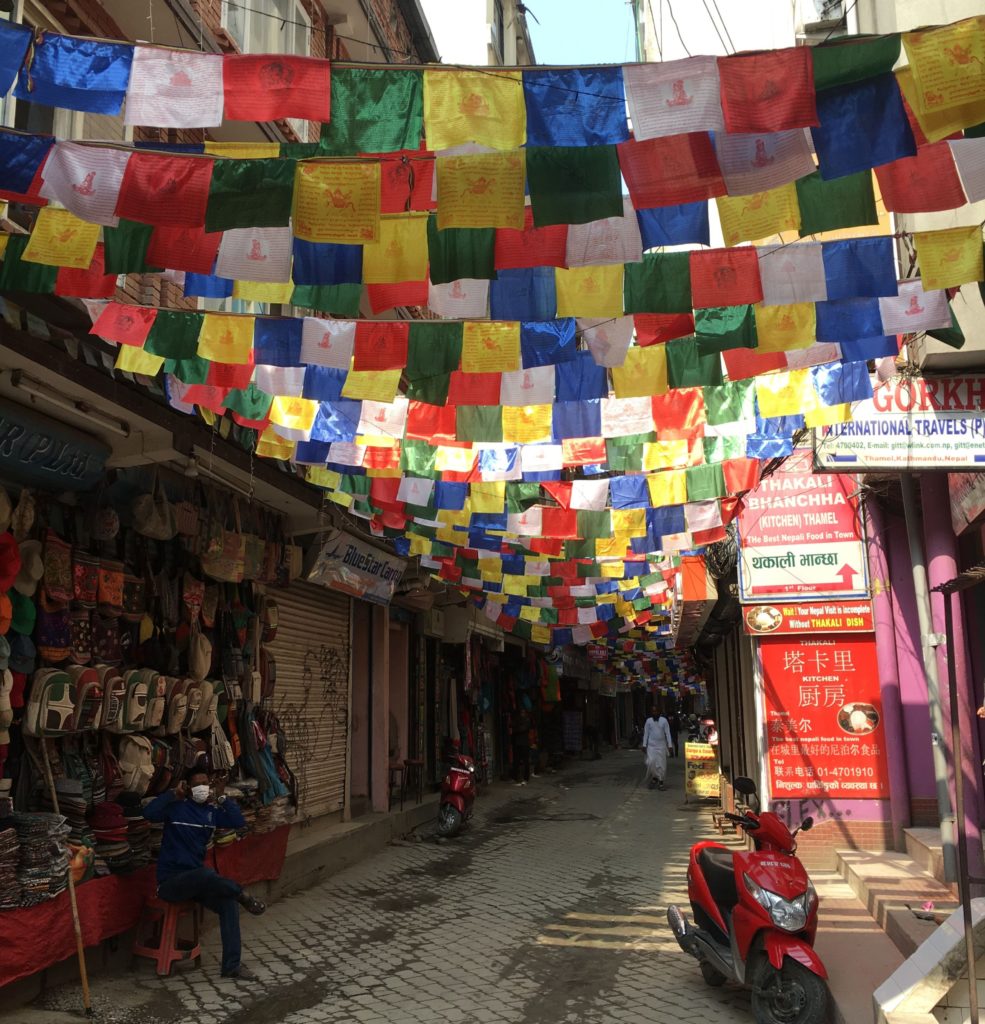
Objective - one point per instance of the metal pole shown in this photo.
(925, 620)
(964, 887)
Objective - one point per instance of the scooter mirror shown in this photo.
(744, 786)
(807, 824)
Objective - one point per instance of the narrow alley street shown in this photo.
(550, 909)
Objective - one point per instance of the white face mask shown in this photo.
(200, 794)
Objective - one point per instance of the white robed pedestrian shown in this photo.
(657, 744)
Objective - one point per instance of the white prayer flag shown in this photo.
(582, 635)
(586, 615)
(174, 89)
(415, 490)
(85, 180)
(792, 273)
(541, 458)
(590, 494)
(526, 524)
(383, 419)
(608, 340)
(814, 355)
(255, 254)
(674, 97)
(610, 240)
(969, 155)
(466, 299)
(327, 342)
(528, 387)
(757, 163)
(624, 416)
(345, 453)
(702, 515)
(914, 309)
(279, 380)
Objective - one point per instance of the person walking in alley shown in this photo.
(521, 747)
(190, 817)
(657, 744)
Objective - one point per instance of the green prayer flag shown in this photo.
(250, 193)
(457, 253)
(952, 335)
(521, 495)
(594, 524)
(441, 550)
(579, 549)
(585, 602)
(300, 150)
(18, 275)
(660, 284)
(338, 299)
(721, 328)
(194, 370)
(687, 367)
(417, 458)
(374, 111)
(358, 486)
(705, 482)
(624, 458)
(725, 446)
(729, 403)
(839, 203)
(434, 350)
(586, 571)
(549, 615)
(479, 423)
(250, 402)
(573, 184)
(975, 132)
(420, 511)
(126, 247)
(174, 335)
(842, 62)
(522, 629)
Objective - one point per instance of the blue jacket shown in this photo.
(188, 828)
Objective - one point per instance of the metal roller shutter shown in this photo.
(311, 698)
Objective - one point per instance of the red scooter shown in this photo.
(755, 917)
(458, 792)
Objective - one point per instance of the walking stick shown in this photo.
(79, 947)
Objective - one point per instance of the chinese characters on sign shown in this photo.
(824, 730)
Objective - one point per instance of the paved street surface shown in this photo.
(549, 910)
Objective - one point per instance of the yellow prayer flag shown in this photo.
(488, 496)
(949, 257)
(454, 459)
(244, 150)
(419, 545)
(589, 291)
(496, 598)
(753, 218)
(491, 565)
(527, 424)
(529, 614)
(938, 123)
(322, 477)
(540, 634)
(668, 487)
(786, 393)
(454, 517)
(785, 328)
(371, 385)
(264, 291)
(948, 63)
(665, 455)
(644, 372)
(515, 586)
(630, 584)
(401, 253)
(482, 190)
(294, 414)
(610, 570)
(629, 522)
(828, 415)
(607, 598)
(337, 202)
(226, 339)
(474, 106)
(491, 577)
(131, 359)
(270, 445)
(611, 547)
(60, 239)
(448, 535)
(491, 346)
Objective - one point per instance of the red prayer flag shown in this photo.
(271, 86)
(406, 180)
(381, 345)
(670, 171)
(679, 414)
(725, 277)
(768, 92)
(559, 490)
(657, 328)
(383, 491)
(207, 396)
(388, 296)
(380, 457)
(183, 248)
(924, 183)
(229, 375)
(743, 363)
(550, 546)
(583, 451)
(474, 388)
(449, 571)
(712, 536)
(531, 247)
(567, 616)
(598, 629)
(559, 523)
(91, 283)
(168, 190)
(741, 474)
(434, 423)
(124, 324)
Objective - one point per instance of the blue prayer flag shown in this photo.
(77, 74)
(450, 495)
(277, 342)
(337, 421)
(207, 286)
(524, 294)
(545, 344)
(838, 383)
(575, 106)
(20, 158)
(629, 492)
(581, 379)
(675, 225)
(561, 636)
(848, 319)
(14, 41)
(320, 263)
(869, 348)
(311, 453)
(577, 419)
(860, 267)
(323, 383)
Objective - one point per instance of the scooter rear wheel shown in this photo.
(449, 821)
(791, 995)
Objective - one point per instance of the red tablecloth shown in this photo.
(33, 938)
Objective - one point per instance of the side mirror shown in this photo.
(744, 786)
(807, 824)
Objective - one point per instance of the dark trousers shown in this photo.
(215, 893)
(521, 760)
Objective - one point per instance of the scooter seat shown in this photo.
(719, 872)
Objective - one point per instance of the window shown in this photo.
(268, 26)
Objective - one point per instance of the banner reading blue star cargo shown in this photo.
(356, 568)
(919, 424)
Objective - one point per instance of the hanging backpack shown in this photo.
(220, 750)
(88, 698)
(175, 706)
(136, 763)
(156, 698)
(51, 706)
(114, 691)
(208, 704)
(134, 703)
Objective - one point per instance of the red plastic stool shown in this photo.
(164, 920)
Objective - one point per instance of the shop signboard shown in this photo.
(825, 735)
(701, 770)
(351, 565)
(800, 537)
(40, 452)
(919, 423)
(967, 491)
(808, 617)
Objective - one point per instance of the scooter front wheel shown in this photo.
(791, 995)
(449, 821)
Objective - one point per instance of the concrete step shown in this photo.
(924, 846)
(889, 885)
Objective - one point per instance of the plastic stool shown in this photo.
(164, 919)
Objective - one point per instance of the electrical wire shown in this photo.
(728, 35)
(673, 18)
(714, 25)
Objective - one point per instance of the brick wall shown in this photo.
(816, 848)
(923, 812)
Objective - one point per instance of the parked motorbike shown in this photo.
(755, 918)
(458, 791)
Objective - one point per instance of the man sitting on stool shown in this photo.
(181, 874)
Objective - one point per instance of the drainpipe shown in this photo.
(942, 565)
(927, 642)
(889, 683)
